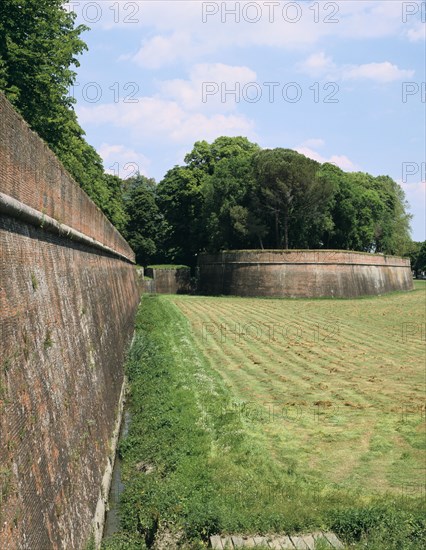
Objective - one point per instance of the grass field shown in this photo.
(335, 387)
(276, 416)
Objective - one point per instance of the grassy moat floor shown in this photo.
(262, 416)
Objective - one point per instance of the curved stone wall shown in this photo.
(302, 273)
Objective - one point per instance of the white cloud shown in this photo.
(415, 192)
(278, 26)
(199, 126)
(163, 50)
(153, 118)
(177, 112)
(217, 77)
(370, 19)
(417, 33)
(313, 142)
(122, 161)
(380, 72)
(319, 64)
(342, 161)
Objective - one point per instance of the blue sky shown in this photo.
(340, 81)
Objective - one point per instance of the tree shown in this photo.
(205, 156)
(232, 194)
(290, 191)
(357, 208)
(85, 165)
(420, 263)
(369, 214)
(393, 229)
(145, 226)
(39, 48)
(228, 212)
(115, 208)
(180, 199)
(183, 191)
(411, 251)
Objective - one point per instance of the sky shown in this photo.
(339, 81)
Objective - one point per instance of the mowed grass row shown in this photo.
(336, 387)
(234, 437)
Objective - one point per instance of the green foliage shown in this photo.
(91, 544)
(382, 525)
(420, 261)
(231, 194)
(291, 194)
(123, 541)
(412, 251)
(39, 49)
(145, 226)
(115, 208)
(190, 198)
(34, 282)
(392, 231)
(230, 219)
(5, 478)
(85, 165)
(38, 45)
(369, 214)
(48, 341)
(180, 200)
(205, 156)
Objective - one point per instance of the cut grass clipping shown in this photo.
(201, 459)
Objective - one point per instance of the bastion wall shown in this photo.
(302, 273)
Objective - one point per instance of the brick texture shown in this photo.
(169, 281)
(297, 273)
(31, 173)
(66, 318)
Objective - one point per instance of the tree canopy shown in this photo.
(417, 254)
(233, 194)
(292, 195)
(145, 226)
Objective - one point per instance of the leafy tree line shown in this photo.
(39, 45)
(231, 194)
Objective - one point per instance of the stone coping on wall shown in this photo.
(31, 174)
(318, 257)
(20, 211)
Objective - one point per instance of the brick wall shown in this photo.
(31, 173)
(66, 317)
(303, 273)
(169, 281)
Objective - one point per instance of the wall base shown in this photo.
(102, 504)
